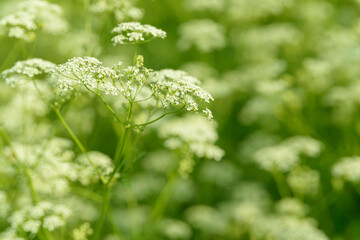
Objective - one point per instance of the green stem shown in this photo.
(110, 109)
(163, 199)
(76, 140)
(157, 119)
(34, 196)
(86, 193)
(104, 209)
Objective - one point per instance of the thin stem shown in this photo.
(104, 102)
(104, 209)
(121, 146)
(110, 109)
(157, 119)
(34, 196)
(160, 204)
(76, 140)
(163, 199)
(86, 193)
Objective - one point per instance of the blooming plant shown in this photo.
(179, 119)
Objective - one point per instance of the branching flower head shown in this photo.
(135, 33)
(175, 87)
(86, 72)
(27, 70)
(33, 16)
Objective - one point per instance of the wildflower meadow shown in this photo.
(179, 119)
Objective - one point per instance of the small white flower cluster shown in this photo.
(123, 10)
(195, 132)
(206, 219)
(83, 232)
(86, 72)
(52, 176)
(43, 215)
(261, 43)
(25, 70)
(175, 229)
(135, 33)
(222, 173)
(285, 155)
(10, 234)
(244, 10)
(347, 169)
(204, 5)
(134, 79)
(304, 181)
(276, 158)
(33, 16)
(204, 34)
(86, 173)
(292, 207)
(175, 87)
(58, 168)
(287, 227)
(143, 186)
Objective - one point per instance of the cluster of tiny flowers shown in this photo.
(52, 176)
(175, 229)
(123, 10)
(195, 132)
(206, 219)
(25, 70)
(205, 35)
(348, 169)
(86, 172)
(44, 214)
(175, 87)
(86, 72)
(83, 232)
(287, 227)
(292, 206)
(304, 181)
(243, 10)
(33, 16)
(284, 156)
(133, 78)
(135, 33)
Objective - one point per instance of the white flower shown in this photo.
(52, 222)
(205, 35)
(27, 70)
(135, 33)
(348, 169)
(33, 16)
